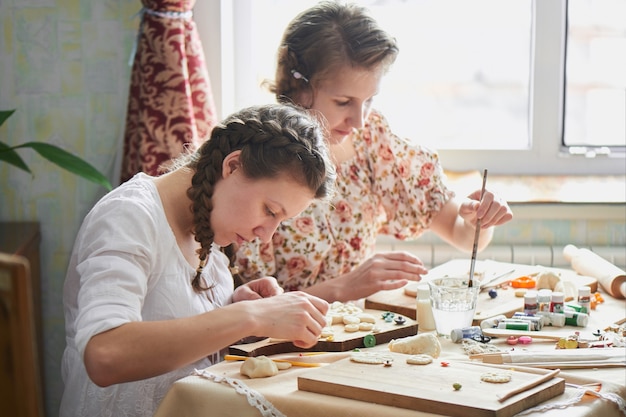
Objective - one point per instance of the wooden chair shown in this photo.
(21, 393)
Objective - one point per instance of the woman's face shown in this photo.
(345, 99)
(245, 209)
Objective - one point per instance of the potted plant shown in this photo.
(54, 154)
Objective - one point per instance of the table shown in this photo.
(196, 396)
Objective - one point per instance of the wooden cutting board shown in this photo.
(428, 388)
(343, 341)
(402, 300)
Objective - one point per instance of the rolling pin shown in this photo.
(585, 262)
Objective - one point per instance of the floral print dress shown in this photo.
(389, 187)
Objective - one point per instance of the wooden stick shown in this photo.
(529, 385)
(470, 283)
(570, 365)
(483, 284)
(294, 363)
(535, 334)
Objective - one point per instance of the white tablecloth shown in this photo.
(195, 396)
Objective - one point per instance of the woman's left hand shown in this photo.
(492, 210)
(258, 288)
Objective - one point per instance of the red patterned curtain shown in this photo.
(170, 103)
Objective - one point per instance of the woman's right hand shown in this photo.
(295, 316)
(382, 271)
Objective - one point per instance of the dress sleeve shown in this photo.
(408, 178)
(255, 260)
(115, 249)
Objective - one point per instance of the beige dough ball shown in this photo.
(259, 367)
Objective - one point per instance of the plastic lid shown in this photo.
(585, 290)
(530, 295)
(456, 335)
(545, 293)
(423, 291)
(558, 296)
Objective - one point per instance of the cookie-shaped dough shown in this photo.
(367, 318)
(351, 319)
(419, 359)
(424, 343)
(496, 377)
(351, 328)
(344, 308)
(327, 332)
(282, 365)
(366, 327)
(338, 310)
(372, 358)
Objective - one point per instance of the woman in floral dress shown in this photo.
(331, 60)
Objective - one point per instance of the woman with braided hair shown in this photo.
(149, 295)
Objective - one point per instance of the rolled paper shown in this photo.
(611, 278)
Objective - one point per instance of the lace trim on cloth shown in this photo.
(610, 396)
(255, 398)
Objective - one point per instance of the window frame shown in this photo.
(228, 53)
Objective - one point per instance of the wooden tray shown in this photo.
(343, 341)
(402, 300)
(428, 388)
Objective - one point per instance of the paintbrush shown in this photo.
(470, 283)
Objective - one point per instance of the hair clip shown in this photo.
(299, 76)
(234, 270)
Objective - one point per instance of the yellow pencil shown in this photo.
(294, 363)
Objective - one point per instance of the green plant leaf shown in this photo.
(67, 161)
(9, 155)
(53, 154)
(5, 114)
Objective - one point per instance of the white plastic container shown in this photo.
(456, 335)
(544, 296)
(557, 304)
(424, 309)
(530, 303)
(584, 299)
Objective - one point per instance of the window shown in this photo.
(595, 72)
(461, 80)
(485, 84)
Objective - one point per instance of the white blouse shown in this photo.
(126, 266)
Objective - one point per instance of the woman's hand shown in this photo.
(136, 350)
(295, 316)
(258, 288)
(491, 210)
(382, 271)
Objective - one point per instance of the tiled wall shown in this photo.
(537, 235)
(64, 67)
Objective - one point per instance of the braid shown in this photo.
(273, 139)
(231, 253)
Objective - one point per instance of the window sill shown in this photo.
(532, 198)
(545, 189)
